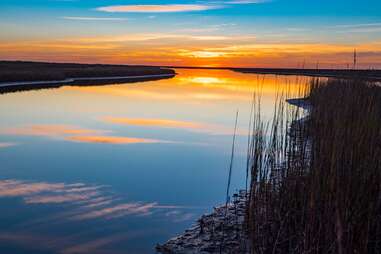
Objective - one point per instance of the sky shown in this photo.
(230, 33)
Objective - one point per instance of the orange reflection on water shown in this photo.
(164, 123)
(197, 85)
(76, 134)
(50, 130)
(112, 140)
(173, 124)
(196, 100)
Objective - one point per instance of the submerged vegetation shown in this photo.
(315, 187)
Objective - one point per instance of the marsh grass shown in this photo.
(315, 181)
(40, 71)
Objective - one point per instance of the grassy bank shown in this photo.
(316, 188)
(38, 71)
(336, 73)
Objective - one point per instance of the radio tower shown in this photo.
(354, 59)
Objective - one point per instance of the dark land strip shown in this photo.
(20, 76)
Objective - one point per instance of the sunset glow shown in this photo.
(190, 33)
(111, 140)
(174, 126)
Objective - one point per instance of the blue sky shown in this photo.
(339, 22)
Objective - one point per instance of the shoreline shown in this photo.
(220, 232)
(22, 75)
(72, 80)
(223, 230)
(10, 87)
(371, 75)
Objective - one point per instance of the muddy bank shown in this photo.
(222, 231)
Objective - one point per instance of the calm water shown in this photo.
(119, 168)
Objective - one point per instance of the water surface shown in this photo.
(119, 168)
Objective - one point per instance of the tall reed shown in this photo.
(316, 181)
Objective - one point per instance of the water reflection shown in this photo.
(76, 134)
(7, 144)
(91, 202)
(119, 168)
(79, 202)
(213, 129)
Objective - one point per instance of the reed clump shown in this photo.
(316, 181)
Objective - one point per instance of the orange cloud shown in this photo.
(166, 123)
(75, 134)
(158, 8)
(191, 50)
(113, 140)
(205, 54)
(142, 37)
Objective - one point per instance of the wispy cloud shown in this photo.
(14, 188)
(165, 8)
(246, 1)
(156, 36)
(118, 211)
(206, 49)
(93, 18)
(7, 144)
(114, 140)
(76, 134)
(357, 28)
(213, 129)
(158, 8)
(163, 123)
(62, 198)
(357, 25)
(199, 30)
(50, 130)
(87, 201)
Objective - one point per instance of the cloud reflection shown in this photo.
(6, 144)
(172, 124)
(118, 211)
(113, 140)
(62, 198)
(75, 134)
(13, 188)
(88, 202)
(50, 130)
(163, 123)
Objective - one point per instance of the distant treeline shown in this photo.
(13, 71)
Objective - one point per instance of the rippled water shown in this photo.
(119, 168)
